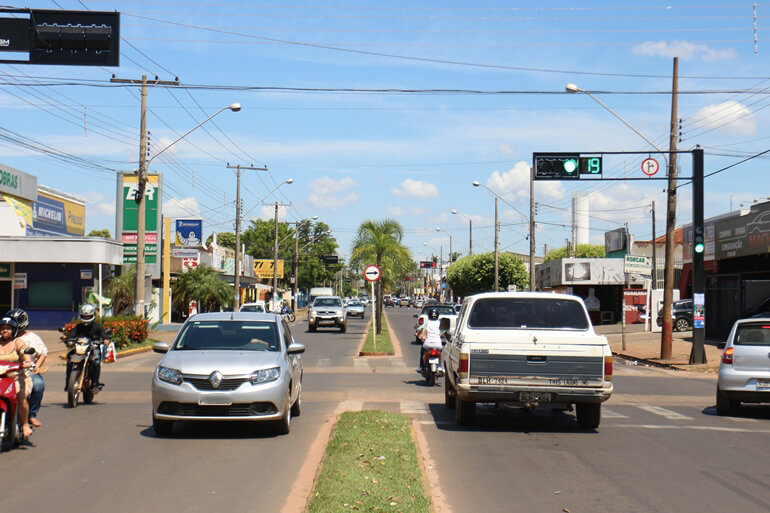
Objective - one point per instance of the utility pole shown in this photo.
(654, 251)
(275, 248)
(532, 228)
(139, 283)
(237, 267)
(497, 263)
(668, 283)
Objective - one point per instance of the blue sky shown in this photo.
(342, 97)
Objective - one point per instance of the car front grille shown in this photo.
(234, 410)
(205, 384)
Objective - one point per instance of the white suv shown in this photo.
(327, 311)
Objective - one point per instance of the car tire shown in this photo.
(589, 415)
(682, 324)
(725, 405)
(162, 427)
(283, 426)
(449, 394)
(344, 327)
(296, 408)
(465, 411)
(311, 328)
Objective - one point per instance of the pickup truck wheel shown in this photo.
(311, 328)
(449, 394)
(589, 415)
(343, 327)
(726, 406)
(464, 411)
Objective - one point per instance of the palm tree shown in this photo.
(121, 289)
(203, 285)
(379, 242)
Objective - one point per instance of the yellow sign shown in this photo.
(264, 268)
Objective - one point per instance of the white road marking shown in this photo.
(360, 363)
(663, 412)
(412, 407)
(610, 414)
(349, 406)
(324, 362)
(696, 428)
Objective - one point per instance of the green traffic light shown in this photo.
(699, 247)
(570, 166)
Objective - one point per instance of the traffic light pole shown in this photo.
(698, 352)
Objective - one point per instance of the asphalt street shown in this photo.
(660, 446)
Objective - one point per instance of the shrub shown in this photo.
(126, 330)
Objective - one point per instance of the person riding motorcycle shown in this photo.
(430, 334)
(34, 341)
(89, 328)
(11, 351)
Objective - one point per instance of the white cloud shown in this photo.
(267, 212)
(330, 193)
(181, 208)
(98, 204)
(735, 117)
(396, 211)
(505, 150)
(410, 188)
(682, 49)
(513, 185)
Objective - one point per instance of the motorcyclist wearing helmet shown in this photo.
(32, 340)
(89, 328)
(430, 334)
(11, 351)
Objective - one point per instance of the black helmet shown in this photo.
(8, 321)
(433, 314)
(20, 316)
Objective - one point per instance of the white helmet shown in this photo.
(87, 313)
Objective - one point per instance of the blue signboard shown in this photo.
(49, 215)
(189, 232)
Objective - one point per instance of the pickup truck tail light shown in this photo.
(462, 369)
(608, 368)
(727, 356)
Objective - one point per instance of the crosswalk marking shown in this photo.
(663, 412)
(349, 406)
(610, 414)
(324, 362)
(412, 407)
(360, 363)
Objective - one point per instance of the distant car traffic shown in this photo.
(257, 307)
(228, 366)
(744, 373)
(681, 315)
(355, 308)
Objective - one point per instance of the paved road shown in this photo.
(660, 447)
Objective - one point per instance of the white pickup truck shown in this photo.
(527, 349)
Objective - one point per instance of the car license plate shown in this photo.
(763, 384)
(214, 400)
(538, 397)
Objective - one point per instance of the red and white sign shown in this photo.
(372, 273)
(190, 263)
(131, 237)
(650, 166)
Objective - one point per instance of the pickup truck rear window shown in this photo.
(521, 313)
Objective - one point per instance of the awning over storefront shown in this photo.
(94, 250)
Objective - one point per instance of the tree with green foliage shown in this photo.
(379, 243)
(224, 239)
(315, 242)
(104, 232)
(121, 290)
(476, 273)
(203, 285)
(583, 251)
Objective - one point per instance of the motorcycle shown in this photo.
(431, 367)
(80, 359)
(10, 430)
(287, 312)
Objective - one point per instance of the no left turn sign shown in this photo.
(372, 273)
(650, 166)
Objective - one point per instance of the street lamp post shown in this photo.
(295, 261)
(666, 342)
(497, 230)
(141, 214)
(450, 257)
(470, 231)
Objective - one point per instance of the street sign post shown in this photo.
(372, 274)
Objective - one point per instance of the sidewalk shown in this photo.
(644, 346)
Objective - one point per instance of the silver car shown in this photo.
(744, 374)
(355, 308)
(228, 366)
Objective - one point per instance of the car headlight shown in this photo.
(170, 375)
(265, 375)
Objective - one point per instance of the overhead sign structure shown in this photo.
(372, 273)
(650, 166)
(637, 265)
(565, 166)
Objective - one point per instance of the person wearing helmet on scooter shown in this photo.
(89, 328)
(12, 350)
(430, 334)
(32, 340)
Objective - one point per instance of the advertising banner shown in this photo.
(264, 268)
(127, 219)
(745, 235)
(189, 233)
(17, 183)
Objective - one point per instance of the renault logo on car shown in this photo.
(215, 379)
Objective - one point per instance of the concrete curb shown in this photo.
(662, 365)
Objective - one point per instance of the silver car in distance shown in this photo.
(228, 366)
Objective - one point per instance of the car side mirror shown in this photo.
(295, 348)
(160, 347)
(721, 345)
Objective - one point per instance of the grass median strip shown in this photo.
(384, 345)
(371, 464)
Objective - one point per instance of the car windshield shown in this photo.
(442, 310)
(752, 335)
(252, 308)
(229, 336)
(527, 313)
(329, 301)
(354, 303)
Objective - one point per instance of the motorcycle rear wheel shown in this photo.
(72, 389)
(430, 378)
